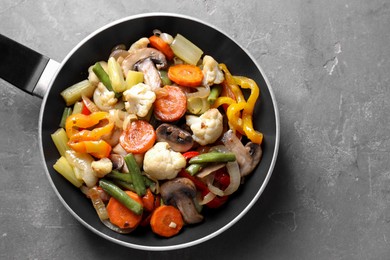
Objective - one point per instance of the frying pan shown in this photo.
(46, 78)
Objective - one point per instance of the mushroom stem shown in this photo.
(151, 75)
(188, 210)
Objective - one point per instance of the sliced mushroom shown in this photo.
(141, 54)
(247, 156)
(151, 75)
(178, 139)
(117, 161)
(180, 192)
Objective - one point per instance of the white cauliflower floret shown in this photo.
(211, 72)
(101, 167)
(161, 163)
(139, 99)
(206, 128)
(103, 98)
(140, 44)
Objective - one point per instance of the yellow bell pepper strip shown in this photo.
(92, 135)
(99, 149)
(229, 79)
(222, 101)
(76, 121)
(233, 114)
(247, 83)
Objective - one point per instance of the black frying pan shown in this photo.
(97, 46)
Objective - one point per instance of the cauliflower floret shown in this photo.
(139, 99)
(140, 44)
(211, 72)
(101, 167)
(161, 163)
(206, 128)
(103, 98)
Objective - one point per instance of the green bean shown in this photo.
(148, 182)
(103, 77)
(194, 168)
(213, 157)
(116, 192)
(136, 176)
(65, 114)
(214, 94)
(124, 184)
(126, 177)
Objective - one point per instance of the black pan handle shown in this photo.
(25, 68)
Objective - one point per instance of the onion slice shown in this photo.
(233, 170)
(210, 169)
(115, 228)
(235, 178)
(212, 188)
(201, 92)
(207, 198)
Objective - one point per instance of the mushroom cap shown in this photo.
(170, 189)
(247, 156)
(178, 139)
(180, 192)
(138, 55)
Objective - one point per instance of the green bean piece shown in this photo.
(124, 185)
(148, 182)
(116, 192)
(65, 114)
(214, 94)
(103, 77)
(126, 177)
(136, 175)
(194, 168)
(213, 157)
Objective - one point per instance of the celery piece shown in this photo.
(186, 50)
(63, 167)
(60, 140)
(73, 93)
(78, 107)
(133, 78)
(65, 114)
(116, 75)
(164, 77)
(214, 94)
(197, 105)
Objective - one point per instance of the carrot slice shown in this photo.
(166, 221)
(121, 216)
(186, 75)
(138, 137)
(159, 44)
(170, 104)
(148, 200)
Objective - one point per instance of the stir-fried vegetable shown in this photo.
(186, 50)
(156, 133)
(166, 221)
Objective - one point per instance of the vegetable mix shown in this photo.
(158, 132)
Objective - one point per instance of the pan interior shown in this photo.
(213, 42)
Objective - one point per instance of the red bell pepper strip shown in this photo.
(188, 155)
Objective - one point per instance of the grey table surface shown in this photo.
(328, 63)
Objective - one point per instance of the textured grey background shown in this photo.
(328, 63)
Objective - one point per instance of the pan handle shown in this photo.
(25, 68)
